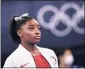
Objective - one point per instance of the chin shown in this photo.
(36, 42)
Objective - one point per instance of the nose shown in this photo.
(37, 31)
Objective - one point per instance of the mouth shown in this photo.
(37, 37)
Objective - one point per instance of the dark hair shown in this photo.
(15, 25)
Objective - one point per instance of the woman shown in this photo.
(26, 31)
(67, 60)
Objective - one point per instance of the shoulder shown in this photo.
(9, 60)
(51, 54)
(13, 54)
(77, 66)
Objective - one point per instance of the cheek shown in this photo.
(28, 35)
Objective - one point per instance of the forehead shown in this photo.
(67, 52)
(32, 22)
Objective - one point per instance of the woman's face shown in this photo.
(30, 32)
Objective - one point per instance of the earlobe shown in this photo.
(19, 33)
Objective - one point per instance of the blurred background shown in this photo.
(62, 24)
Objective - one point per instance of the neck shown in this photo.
(29, 46)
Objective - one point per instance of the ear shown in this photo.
(19, 33)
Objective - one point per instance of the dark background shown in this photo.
(73, 40)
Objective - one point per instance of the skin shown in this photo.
(66, 53)
(30, 34)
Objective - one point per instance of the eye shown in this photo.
(39, 28)
(31, 28)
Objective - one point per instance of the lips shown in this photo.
(37, 37)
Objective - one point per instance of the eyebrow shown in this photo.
(33, 25)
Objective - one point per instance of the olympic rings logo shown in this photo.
(60, 15)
